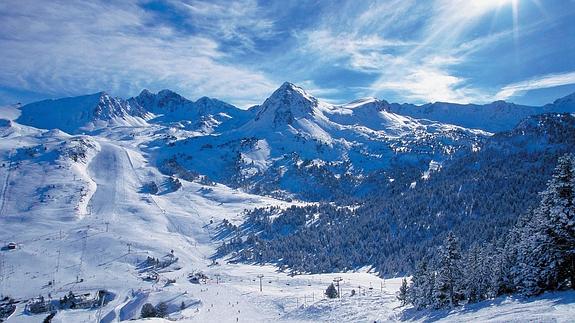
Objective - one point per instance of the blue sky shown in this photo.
(240, 51)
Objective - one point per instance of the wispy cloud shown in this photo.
(72, 47)
(424, 84)
(420, 65)
(363, 52)
(242, 22)
(540, 82)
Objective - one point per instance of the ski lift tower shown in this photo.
(336, 280)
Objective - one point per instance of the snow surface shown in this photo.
(77, 208)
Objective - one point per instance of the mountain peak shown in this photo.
(165, 100)
(287, 103)
(288, 88)
(363, 102)
(80, 113)
(552, 126)
(207, 100)
(96, 96)
(207, 105)
(145, 92)
(169, 93)
(288, 85)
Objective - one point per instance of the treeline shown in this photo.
(537, 255)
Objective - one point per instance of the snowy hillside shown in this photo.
(76, 209)
(108, 204)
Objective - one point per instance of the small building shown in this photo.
(150, 277)
(197, 278)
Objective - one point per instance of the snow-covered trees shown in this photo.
(473, 275)
(150, 187)
(149, 310)
(538, 254)
(477, 196)
(439, 285)
(331, 291)
(546, 246)
(402, 295)
(452, 277)
(448, 280)
(420, 292)
(162, 309)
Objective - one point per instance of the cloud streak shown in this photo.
(540, 82)
(403, 65)
(241, 22)
(361, 52)
(421, 65)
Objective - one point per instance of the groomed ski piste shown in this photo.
(76, 209)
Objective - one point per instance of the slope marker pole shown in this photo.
(260, 276)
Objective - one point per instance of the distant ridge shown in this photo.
(286, 104)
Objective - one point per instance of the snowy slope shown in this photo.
(550, 307)
(73, 217)
(98, 243)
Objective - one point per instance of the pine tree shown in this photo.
(472, 280)
(500, 281)
(420, 291)
(447, 291)
(508, 259)
(531, 259)
(331, 292)
(161, 309)
(148, 310)
(402, 293)
(562, 221)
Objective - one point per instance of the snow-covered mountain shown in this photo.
(100, 110)
(493, 117)
(292, 143)
(82, 113)
(205, 114)
(298, 144)
(288, 105)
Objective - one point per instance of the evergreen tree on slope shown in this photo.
(403, 292)
(447, 291)
(546, 250)
(420, 291)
